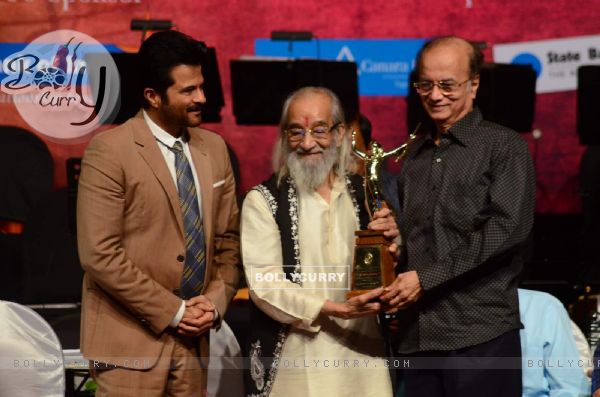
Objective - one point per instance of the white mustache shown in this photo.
(312, 151)
(310, 173)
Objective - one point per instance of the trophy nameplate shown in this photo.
(373, 264)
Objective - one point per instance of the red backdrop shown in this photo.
(232, 26)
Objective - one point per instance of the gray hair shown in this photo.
(344, 163)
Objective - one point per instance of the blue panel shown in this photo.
(384, 66)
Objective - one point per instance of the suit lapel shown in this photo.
(204, 172)
(148, 149)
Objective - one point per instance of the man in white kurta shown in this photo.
(332, 348)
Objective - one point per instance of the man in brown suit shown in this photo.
(161, 257)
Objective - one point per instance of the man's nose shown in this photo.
(199, 96)
(307, 142)
(436, 93)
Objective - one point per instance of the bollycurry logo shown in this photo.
(64, 84)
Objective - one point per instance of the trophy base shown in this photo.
(357, 292)
(373, 264)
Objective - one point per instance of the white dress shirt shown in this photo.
(164, 142)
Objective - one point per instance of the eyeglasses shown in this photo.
(447, 87)
(319, 132)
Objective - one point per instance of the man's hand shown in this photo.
(384, 220)
(202, 302)
(403, 292)
(358, 306)
(198, 316)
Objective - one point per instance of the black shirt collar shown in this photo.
(461, 132)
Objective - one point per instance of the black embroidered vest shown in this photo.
(267, 336)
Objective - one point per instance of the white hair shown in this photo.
(344, 163)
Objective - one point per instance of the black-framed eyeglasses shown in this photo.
(319, 132)
(446, 87)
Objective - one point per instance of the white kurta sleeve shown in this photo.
(281, 299)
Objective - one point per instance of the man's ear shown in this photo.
(152, 97)
(342, 133)
(474, 86)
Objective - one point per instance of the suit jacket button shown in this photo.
(180, 258)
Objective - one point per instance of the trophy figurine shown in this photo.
(373, 264)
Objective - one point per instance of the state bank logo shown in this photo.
(527, 58)
(64, 84)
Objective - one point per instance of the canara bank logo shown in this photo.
(345, 55)
(527, 58)
(370, 66)
(63, 84)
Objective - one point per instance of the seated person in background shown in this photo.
(596, 373)
(362, 125)
(583, 347)
(551, 362)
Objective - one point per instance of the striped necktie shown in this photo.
(195, 260)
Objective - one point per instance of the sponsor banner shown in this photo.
(384, 66)
(555, 61)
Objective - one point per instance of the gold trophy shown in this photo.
(373, 264)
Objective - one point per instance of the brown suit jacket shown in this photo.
(131, 240)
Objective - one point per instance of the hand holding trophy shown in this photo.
(373, 264)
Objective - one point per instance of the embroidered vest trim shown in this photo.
(266, 334)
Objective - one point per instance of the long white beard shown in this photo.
(310, 174)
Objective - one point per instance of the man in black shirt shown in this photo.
(467, 196)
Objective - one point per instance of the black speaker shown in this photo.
(259, 87)
(73, 171)
(130, 101)
(588, 86)
(131, 89)
(506, 96)
(51, 263)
